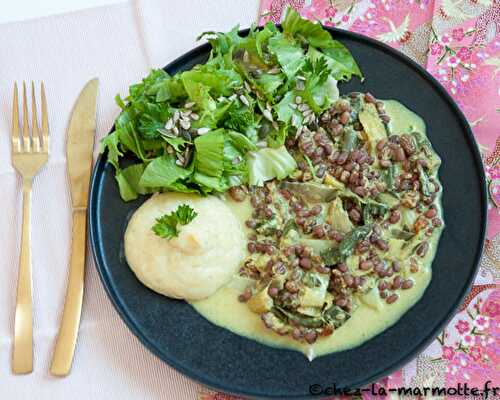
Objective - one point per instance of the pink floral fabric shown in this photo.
(458, 41)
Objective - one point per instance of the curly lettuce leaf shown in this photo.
(209, 159)
(290, 54)
(162, 172)
(268, 163)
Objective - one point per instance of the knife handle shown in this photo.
(68, 331)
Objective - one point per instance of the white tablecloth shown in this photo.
(118, 44)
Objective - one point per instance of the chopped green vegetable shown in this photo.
(424, 181)
(349, 140)
(346, 247)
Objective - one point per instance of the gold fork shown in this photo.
(30, 152)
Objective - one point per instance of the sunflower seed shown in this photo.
(247, 86)
(268, 106)
(170, 150)
(307, 112)
(303, 107)
(246, 56)
(185, 114)
(169, 125)
(179, 163)
(176, 130)
(236, 160)
(267, 114)
(300, 85)
(189, 105)
(274, 70)
(187, 156)
(232, 97)
(176, 116)
(262, 144)
(298, 100)
(293, 106)
(221, 98)
(202, 131)
(194, 117)
(299, 131)
(275, 125)
(244, 100)
(301, 78)
(185, 123)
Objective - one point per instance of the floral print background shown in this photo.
(458, 41)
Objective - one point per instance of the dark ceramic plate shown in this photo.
(177, 334)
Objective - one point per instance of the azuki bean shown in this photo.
(246, 295)
(396, 283)
(407, 284)
(382, 244)
(422, 249)
(344, 117)
(310, 337)
(365, 265)
(342, 158)
(273, 291)
(392, 298)
(291, 287)
(431, 213)
(251, 247)
(369, 98)
(305, 263)
(398, 154)
(395, 217)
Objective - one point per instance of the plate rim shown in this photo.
(473, 145)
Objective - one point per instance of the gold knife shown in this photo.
(80, 144)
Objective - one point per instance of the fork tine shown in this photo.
(35, 134)
(16, 144)
(45, 120)
(26, 128)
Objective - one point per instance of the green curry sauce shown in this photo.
(371, 309)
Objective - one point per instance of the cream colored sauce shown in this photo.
(224, 309)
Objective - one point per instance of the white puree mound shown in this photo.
(192, 266)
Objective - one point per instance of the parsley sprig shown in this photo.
(166, 225)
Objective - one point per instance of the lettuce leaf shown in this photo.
(163, 171)
(209, 158)
(290, 54)
(268, 163)
(294, 25)
(340, 60)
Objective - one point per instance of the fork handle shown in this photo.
(22, 356)
(68, 331)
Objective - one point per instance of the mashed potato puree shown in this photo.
(205, 256)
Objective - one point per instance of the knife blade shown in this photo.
(80, 144)
(81, 132)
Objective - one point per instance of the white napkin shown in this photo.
(170, 30)
(118, 44)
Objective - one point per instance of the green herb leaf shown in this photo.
(166, 225)
(185, 214)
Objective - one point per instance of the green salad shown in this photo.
(224, 123)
